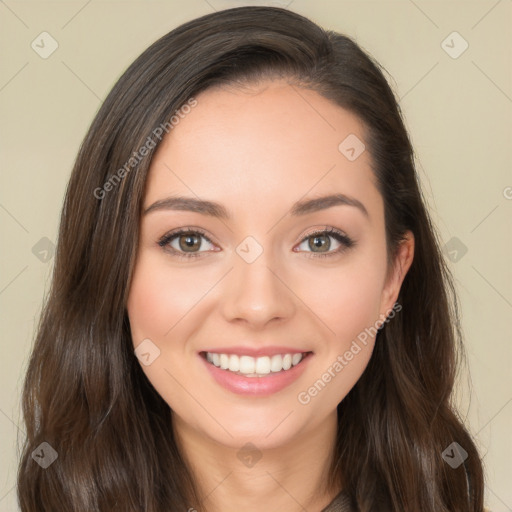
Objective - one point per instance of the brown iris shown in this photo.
(189, 241)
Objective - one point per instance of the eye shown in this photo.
(320, 243)
(185, 242)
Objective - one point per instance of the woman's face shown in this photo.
(260, 271)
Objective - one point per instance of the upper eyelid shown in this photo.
(327, 229)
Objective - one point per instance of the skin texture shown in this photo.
(258, 150)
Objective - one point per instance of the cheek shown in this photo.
(348, 304)
(159, 298)
(347, 300)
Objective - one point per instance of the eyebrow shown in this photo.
(213, 209)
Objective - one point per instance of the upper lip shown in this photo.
(256, 352)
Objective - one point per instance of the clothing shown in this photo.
(341, 503)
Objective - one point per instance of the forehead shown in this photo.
(269, 144)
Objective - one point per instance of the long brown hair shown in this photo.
(85, 393)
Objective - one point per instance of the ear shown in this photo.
(395, 278)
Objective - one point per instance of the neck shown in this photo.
(290, 477)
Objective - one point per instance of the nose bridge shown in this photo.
(255, 292)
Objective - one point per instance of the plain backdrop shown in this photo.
(449, 63)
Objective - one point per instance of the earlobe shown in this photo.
(402, 263)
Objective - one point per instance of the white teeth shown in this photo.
(296, 359)
(254, 366)
(247, 364)
(263, 365)
(276, 364)
(234, 363)
(224, 361)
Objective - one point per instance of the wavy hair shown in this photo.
(85, 393)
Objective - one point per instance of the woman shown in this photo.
(249, 308)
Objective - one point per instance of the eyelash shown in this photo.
(344, 240)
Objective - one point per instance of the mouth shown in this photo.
(255, 376)
(248, 366)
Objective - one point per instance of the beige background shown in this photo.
(458, 111)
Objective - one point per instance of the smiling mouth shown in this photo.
(248, 366)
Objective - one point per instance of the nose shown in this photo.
(256, 293)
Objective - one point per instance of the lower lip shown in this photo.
(257, 386)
